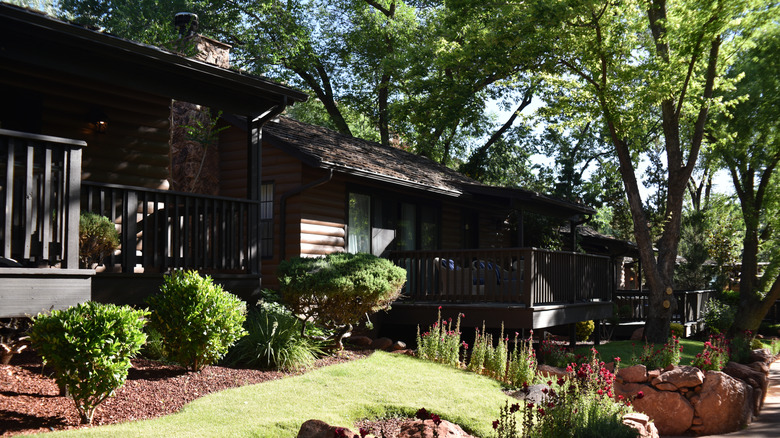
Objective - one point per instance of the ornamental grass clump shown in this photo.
(441, 343)
(197, 319)
(714, 356)
(89, 346)
(273, 341)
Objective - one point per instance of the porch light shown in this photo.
(99, 118)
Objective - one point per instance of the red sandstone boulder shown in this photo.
(633, 374)
(642, 424)
(671, 411)
(381, 344)
(424, 429)
(679, 377)
(761, 355)
(321, 429)
(398, 345)
(724, 404)
(359, 341)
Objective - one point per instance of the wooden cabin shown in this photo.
(462, 243)
(85, 126)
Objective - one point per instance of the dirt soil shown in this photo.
(30, 400)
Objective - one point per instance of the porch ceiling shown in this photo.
(35, 40)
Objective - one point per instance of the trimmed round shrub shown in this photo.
(718, 316)
(274, 341)
(584, 330)
(89, 346)
(197, 319)
(677, 329)
(338, 289)
(98, 238)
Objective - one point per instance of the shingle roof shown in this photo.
(322, 147)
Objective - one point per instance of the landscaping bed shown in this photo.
(30, 401)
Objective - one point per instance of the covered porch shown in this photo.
(523, 288)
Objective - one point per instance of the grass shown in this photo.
(381, 385)
(624, 350)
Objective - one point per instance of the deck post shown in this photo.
(573, 334)
(71, 259)
(129, 230)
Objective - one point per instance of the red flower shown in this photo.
(541, 412)
(422, 414)
(495, 424)
(436, 419)
(640, 394)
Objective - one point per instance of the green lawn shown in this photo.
(624, 349)
(380, 385)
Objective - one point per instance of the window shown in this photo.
(377, 224)
(267, 220)
(359, 223)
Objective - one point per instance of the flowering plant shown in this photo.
(667, 355)
(441, 343)
(714, 356)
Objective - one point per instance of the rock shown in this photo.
(671, 412)
(398, 345)
(652, 374)
(424, 429)
(642, 424)
(760, 367)
(359, 341)
(679, 377)
(761, 355)
(633, 374)
(381, 344)
(408, 352)
(725, 404)
(534, 394)
(321, 429)
(551, 372)
(746, 374)
(638, 334)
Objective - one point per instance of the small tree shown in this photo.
(337, 290)
(90, 347)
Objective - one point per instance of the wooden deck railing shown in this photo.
(515, 275)
(164, 229)
(40, 179)
(633, 304)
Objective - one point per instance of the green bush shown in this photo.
(89, 346)
(718, 316)
(335, 291)
(677, 329)
(584, 330)
(273, 341)
(197, 319)
(98, 238)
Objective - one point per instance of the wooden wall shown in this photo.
(133, 151)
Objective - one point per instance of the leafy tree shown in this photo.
(748, 142)
(647, 71)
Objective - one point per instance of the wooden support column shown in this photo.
(254, 180)
(73, 200)
(573, 335)
(129, 230)
(597, 332)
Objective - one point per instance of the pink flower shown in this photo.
(640, 394)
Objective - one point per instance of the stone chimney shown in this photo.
(194, 160)
(206, 49)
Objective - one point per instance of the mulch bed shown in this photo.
(30, 400)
